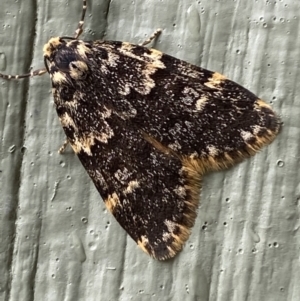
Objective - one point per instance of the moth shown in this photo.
(147, 127)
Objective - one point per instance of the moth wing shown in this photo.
(151, 190)
(193, 111)
(153, 194)
(147, 126)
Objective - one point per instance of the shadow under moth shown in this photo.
(147, 126)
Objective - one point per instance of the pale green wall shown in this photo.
(250, 247)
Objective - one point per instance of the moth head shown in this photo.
(65, 55)
(51, 46)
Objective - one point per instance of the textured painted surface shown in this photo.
(57, 242)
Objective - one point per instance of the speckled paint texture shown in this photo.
(58, 242)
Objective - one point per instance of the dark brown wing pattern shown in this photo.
(147, 126)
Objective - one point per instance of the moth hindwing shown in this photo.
(147, 126)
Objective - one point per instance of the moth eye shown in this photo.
(67, 93)
(62, 64)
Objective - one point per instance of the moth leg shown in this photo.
(79, 29)
(37, 72)
(63, 147)
(152, 37)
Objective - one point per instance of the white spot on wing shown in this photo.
(166, 236)
(212, 150)
(201, 102)
(58, 77)
(194, 155)
(257, 129)
(112, 201)
(106, 134)
(170, 225)
(123, 175)
(175, 146)
(246, 135)
(106, 113)
(180, 191)
(215, 80)
(66, 121)
(191, 92)
(132, 185)
(85, 142)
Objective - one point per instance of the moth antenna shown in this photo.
(37, 72)
(79, 29)
(42, 71)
